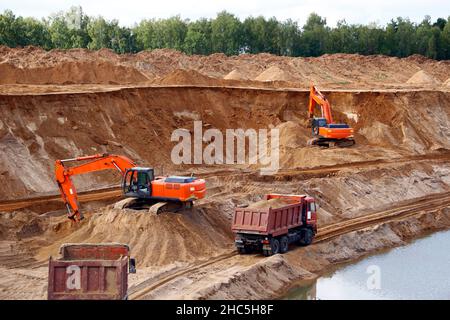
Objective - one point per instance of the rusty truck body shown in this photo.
(271, 229)
(90, 272)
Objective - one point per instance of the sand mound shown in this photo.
(447, 82)
(86, 72)
(273, 73)
(20, 225)
(235, 75)
(248, 282)
(421, 77)
(272, 203)
(154, 240)
(336, 70)
(183, 76)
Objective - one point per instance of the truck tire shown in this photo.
(284, 244)
(306, 237)
(242, 250)
(274, 246)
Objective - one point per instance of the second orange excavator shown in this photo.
(140, 186)
(325, 132)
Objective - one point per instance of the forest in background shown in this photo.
(229, 35)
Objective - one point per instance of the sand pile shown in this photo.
(235, 75)
(86, 72)
(20, 225)
(333, 70)
(244, 282)
(272, 203)
(447, 83)
(273, 73)
(421, 77)
(183, 76)
(154, 240)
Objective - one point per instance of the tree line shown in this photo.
(229, 35)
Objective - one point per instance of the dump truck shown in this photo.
(90, 272)
(272, 224)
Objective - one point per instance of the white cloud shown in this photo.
(130, 11)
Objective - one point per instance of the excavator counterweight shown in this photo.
(325, 132)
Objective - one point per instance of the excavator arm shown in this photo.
(317, 98)
(99, 162)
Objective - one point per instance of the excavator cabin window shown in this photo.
(138, 182)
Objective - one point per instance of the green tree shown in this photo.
(289, 38)
(445, 40)
(226, 34)
(315, 36)
(198, 37)
(9, 33)
(36, 33)
(69, 29)
(144, 33)
(100, 32)
(108, 34)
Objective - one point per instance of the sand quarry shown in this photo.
(60, 104)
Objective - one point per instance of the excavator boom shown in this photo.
(98, 162)
(317, 98)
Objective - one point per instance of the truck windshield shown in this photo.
(312, 207)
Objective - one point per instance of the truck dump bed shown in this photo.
(273, 216)
(89, 271)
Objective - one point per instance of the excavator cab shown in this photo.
(316, 124)
(137, 182)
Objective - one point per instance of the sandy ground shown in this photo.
(61, 104)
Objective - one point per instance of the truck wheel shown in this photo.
(284, 244)
(275, 245)
(306, 237)
(242, 250)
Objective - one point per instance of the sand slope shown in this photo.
(421, 77)
(331, 70)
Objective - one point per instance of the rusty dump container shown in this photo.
(276, 217)
(90, 272)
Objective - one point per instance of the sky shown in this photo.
(130, 11)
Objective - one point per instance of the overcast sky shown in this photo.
(130, 11)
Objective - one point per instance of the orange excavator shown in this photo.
(139, 185)
(325, 132)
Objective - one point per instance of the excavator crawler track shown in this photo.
(152, 207)
(329, 143)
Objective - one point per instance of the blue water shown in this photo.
(420, 270)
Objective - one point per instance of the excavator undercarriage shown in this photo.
(330, 143)
(153, 206)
